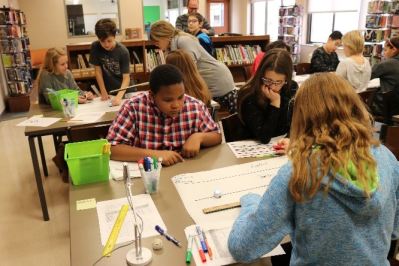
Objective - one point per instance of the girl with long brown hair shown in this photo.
(194, 84)
(337, 197)
(263, 103)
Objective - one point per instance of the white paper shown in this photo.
(252, 148)
(116, 169)
(96, 105)
(374, 83)
(107, 212)
(38, 121)
(217, 240)
(196, 189)
(86, 117)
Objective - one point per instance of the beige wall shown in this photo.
(240, 16)
(47, 21)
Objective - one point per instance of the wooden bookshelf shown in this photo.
(141, 51)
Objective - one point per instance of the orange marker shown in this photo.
(200, 251)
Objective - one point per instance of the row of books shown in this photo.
(376, 35)
(154, 58)
(290, 11)
(13, 31)
(378, 21)
(14, 45)
(288, 30)
(17, 74)
(379, 7)
(293, 21)
(374, 60)
(18, 88)
(289, 39)
(12, 16)
(16, 59)
(237, 54)
(373, 50)
(90, 72)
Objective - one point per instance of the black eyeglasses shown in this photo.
(269, 82)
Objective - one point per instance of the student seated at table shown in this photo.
(324, 58)
(215, 73)
(388, 72)
(263, 103)
(336, 197)
(194, 84)
(164, 122)
(354, 68)
(195, 22)
(261, 54)
(55, 75)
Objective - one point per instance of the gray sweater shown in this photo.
(358, 75)
(215, 73)
(56, 82)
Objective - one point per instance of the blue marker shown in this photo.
(167, 236)
(201, 238)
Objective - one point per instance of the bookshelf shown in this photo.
(381, 24)
(144, 56)
(290, 28)
(15, 58)
(239, 53)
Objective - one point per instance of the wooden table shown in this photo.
(86, 245)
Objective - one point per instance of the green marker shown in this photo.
(189, 254)
(155, 161)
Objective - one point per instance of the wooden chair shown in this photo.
(233, 128)
(368, 96)
(303, 68)
(83, 133)
(389, 136)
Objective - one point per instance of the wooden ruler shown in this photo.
(113, 236)
(221, 207)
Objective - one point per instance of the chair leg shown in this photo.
(42, 156)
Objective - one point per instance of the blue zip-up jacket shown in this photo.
(342, 227)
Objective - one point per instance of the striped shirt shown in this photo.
(140, 123)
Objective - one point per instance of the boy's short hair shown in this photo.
(104, 28)
(164, 75)
(335, 35)
(354, 41)
(277, 44)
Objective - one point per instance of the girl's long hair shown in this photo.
(50, 60)
(193, 82)
(277, 60)
(330, 128)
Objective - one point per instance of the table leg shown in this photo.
(38, 178)
(42, 156)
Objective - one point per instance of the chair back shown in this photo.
(303, 68)
(368, 96)
(387, 110)
(389, 136)
(233, 128)
(83, 133)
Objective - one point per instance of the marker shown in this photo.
(189, 253)
(155, 161)
(207, 245)
(167, 236)
(201, 238)
(200, 251)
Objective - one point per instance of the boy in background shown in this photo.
(164, 122)
(111, 61)
(324, 58)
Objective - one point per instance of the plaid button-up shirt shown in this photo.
(140, 123)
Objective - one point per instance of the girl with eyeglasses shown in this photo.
(263, 103)
(388, 72)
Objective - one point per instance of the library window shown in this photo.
(265, 17)
(328, 16)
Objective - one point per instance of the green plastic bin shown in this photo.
(56, 97)
(88, 161)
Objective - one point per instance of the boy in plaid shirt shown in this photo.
(163, 122)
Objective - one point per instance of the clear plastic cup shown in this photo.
(151, 181)
(68, 107)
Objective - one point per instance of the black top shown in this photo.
(266, 122)
(113, 63)
(322, 61)
(388, 72)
